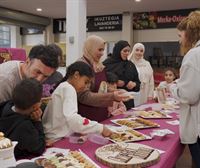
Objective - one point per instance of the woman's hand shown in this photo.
(120, 95)
(131, 85)
(120, 83)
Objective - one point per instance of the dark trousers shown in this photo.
(195, 152)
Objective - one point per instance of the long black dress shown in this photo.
(124, 69)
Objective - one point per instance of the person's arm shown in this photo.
(76, 122)
(187, 88)
(96, 99)
(6, 88)
(31, 137)
(131, 73)
(101, 99)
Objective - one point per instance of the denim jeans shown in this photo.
(195, 152)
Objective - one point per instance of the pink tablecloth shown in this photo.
(15, 53)
(170, 144)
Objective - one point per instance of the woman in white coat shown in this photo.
(187, 89)
(145, 72)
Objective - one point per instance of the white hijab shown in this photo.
(132, 57)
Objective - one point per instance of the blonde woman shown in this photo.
(187, 89)
(145, 72)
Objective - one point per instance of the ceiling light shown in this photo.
(137, 0)
(39, 9)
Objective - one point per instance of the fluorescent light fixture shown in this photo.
(39, 9)
(137, 0)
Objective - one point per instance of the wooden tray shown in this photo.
(128, 155)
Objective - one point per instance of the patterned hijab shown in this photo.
(132, 57)
(91, 45)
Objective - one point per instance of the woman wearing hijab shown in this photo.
(145, 72)
(124, 69)
(93, 105)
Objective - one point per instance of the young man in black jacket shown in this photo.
(17, 122)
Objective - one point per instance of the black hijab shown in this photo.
(115, 63)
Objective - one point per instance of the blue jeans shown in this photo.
(195, 152)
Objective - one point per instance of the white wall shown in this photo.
(16, 39)
(60, 38)
(155, 35)
(35, 39)
(108, 36)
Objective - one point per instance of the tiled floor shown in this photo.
(185, 160)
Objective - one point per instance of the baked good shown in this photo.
(73, 160)
(4, 142)
(146, 122)
(130, 155)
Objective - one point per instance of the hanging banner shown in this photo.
(104, 23)
(157, 20)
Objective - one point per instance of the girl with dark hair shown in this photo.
(61, 116)
(170, 77)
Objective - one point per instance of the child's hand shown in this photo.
(106, 132)
(36, 114)
(49, 143)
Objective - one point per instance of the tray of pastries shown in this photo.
(128, 155)
(75, 159)
(127, 135)
(153, 114)
(135, 123)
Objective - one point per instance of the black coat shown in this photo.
(124, 69)
(17, 127)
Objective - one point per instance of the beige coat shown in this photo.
(187, 91)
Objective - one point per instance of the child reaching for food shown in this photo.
(117, 107)
(61, 116)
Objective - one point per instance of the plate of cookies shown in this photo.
(72, 159)
(126, 135)
(151, 114)
(135, 123)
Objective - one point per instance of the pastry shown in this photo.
(146, 122)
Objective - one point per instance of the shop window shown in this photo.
(5, 41)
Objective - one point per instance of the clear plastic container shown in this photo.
(75, 138)
(98, 139)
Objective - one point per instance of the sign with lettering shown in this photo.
(59, 25)
(104, 23)
(94, 23)
(29, 31)
(162, 19)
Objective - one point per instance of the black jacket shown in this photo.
(124, 69)
(17, 127)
